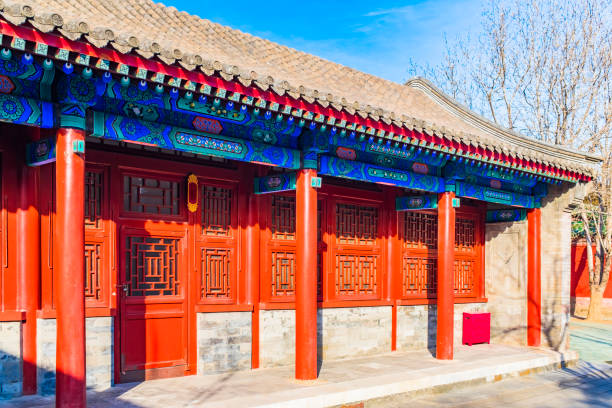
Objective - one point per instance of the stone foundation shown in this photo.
(99, 353)
(342, 333)
(416, 325)
(353, 331)
(224, 342)
(10, 359)
(276, 338)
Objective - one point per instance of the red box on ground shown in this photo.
(476, 328)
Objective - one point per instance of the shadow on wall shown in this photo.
(10, 364)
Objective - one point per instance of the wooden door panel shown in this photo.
(154, 342)
(154, 318)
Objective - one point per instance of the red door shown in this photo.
(153, 279)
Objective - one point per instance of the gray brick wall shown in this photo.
(276, 338)
(416, 325)
(506, 281)
(98, 356)
(342, 333)
(354, 331)
(10, 359)
(224, 342)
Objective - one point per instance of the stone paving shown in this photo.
(586, 385)
(340, 382)
(592, 341)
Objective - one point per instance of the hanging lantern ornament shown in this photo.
(192, 193)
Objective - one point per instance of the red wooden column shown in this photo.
(252, 264)
(306, 277)
(534, 291)
(69, 238)
(394, 263)
(28, 264)
(446, 266)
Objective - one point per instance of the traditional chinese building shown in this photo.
(182, 198)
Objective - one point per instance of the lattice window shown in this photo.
(356, 274)
(283, 273)
(152, 266)
(464, 276)
(216, 273)
(93, 198)
(93, 255)
(216, 211)
(356, 225)
(150, 195)
(282, 222)
(419, 230)
(419, 276)
(465, 235)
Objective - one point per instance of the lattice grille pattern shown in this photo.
(356, 274)
(419, 230)
(216, 211)
(465, 235)
(150, 195)
(283, 273)
(93, 198)
(151, 266)
(93, 264)
(283, 217)
(216, 276)
(464, 276)
(356, 225)
(419, 276)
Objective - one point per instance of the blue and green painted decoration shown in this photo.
(422, 202)
(275, 183)
(506, 215)
(37, 91)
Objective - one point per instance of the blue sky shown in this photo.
(378, 37)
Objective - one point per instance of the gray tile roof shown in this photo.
(153, 30)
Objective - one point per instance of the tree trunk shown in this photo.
(595, 312)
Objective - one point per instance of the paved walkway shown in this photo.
(592, 341)
(341, 382)
(588, 385)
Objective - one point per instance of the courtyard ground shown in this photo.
(588, 385)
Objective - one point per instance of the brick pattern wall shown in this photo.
(224, 342)
(276, 338)
(10, 359)
(342, 333)
(506, 281)
(416, 325)
(556, 266)
(99, 353)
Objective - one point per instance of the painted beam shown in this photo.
(40, 152)
(424, 202)
(335, 167)
(26, 111)
(507, 215)
(275, 183)
(493, 195)
(130, 130)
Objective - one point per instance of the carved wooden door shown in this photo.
(153, 279)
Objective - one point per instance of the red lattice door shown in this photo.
(357, 251)
(153, 280)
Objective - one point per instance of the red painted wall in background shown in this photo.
(580, 274)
